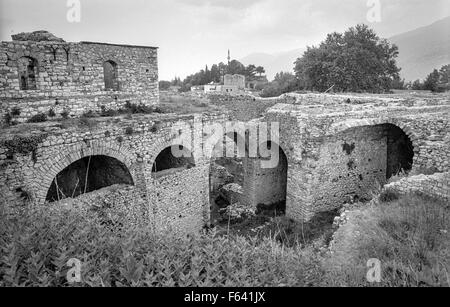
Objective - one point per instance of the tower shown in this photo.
(229, 57)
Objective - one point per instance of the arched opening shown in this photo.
(27, 73)
(241, 182)
(86, 175)
(226, 175)
(354, 163)
(172, 159)
(400, 150)
(110, 75)
(268, 179)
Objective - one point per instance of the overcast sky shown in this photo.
(192, 33)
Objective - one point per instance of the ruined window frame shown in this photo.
(28, 75)
(111, 82)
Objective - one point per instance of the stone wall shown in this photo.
(322, 176)
(70, 77)
(29, 162)
(333, 152)
(244, 107)
(436, 185)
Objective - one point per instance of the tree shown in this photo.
(260, 70)
(164, 85)
(432, 81)
(236, 67)
(444, 74)
(283, 82)
(417, 85)
(250, 72)
(216, 73)
(357, 60)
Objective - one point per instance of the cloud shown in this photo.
(230, 4)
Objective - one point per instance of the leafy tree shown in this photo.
(250, 71)
(432, 81)
(236, 67)
(417, 85)
(444, 74)
(357, 60)
(216, 73)
(164, 85)
(283, 82)
(260, 70)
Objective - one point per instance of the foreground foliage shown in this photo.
(35, 249)
(410, 235)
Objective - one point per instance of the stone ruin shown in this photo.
(333, 148)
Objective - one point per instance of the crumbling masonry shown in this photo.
(333, 148)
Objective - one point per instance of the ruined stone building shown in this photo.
(332, 149)
(40, 72)
(233, 84)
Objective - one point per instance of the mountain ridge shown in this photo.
(420, 51)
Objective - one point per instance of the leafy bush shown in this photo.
(35, 248)
(7, 118)
(38, 118)
(129, 131)
(88, 114)
(15, 111)
(51, 113)
(65, 114)
(388, 195)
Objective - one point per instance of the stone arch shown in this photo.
(172, 159)
(266, 178)
(408, 147)
(87, 175)
(28, 72)
(226, 172)
(111, 75)
(47, 172)
(345, 125)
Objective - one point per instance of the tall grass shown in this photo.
(36, 246)
(410, 236)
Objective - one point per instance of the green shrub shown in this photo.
(35, 248)
(15, 111)
(7, 118)
(51, 113)
(88, 114)
(38, 118)
(388, 195)
(410, 236)
(65, 114)
(129, 131)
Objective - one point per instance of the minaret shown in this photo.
(229, 57)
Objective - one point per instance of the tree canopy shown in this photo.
(357, 60)
(217, 71)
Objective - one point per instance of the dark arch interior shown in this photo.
(86, 175)
(400, 151)
(111, 75)
(272, 182)
(27, 73)
(174, 157)
(262, 188)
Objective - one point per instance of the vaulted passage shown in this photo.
(171, 159)
(239, 180)
(266, 179)
(355, 163)
(87, 175)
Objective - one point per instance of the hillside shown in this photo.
(423, 49)
(273, 63)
